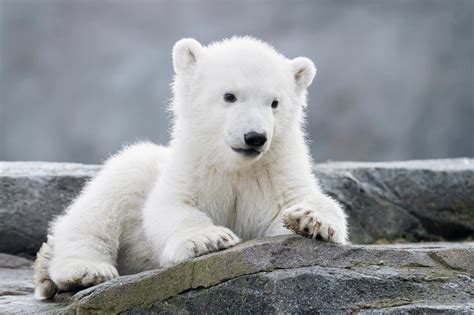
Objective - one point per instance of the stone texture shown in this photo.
(16, 287)
(293, 274)
(285, 274)
(15, 275)
(31, 194)
(386, 202)
(429, 200)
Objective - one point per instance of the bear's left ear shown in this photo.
(186, 53)
(304, 72)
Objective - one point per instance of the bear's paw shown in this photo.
(204, 241)
(314, 224)
(73, 274)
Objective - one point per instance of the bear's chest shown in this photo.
(245, 205)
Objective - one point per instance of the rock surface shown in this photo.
(285, 274)
(386, 202)
(31, 194)
(16, 288)
(430, 200)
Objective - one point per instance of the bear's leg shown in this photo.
(305, 208)
(87, 237)
(277, 227)
(86, 241)
(193, 241)
(84, 252)
(179, 232)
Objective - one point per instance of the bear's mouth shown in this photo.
(247, 152)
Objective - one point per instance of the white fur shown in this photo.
(152, 206)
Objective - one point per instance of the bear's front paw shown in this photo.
(309, 223)
(72, 274)
(204, 241)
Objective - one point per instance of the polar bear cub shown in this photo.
(237, 168)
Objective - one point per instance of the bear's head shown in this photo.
(237, 100)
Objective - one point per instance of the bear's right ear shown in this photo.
(186, 53)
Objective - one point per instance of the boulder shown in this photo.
(284, 274)
(31, 195)
(410, 201)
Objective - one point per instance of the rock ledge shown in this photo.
(285, 274)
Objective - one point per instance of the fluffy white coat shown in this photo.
(152, 206)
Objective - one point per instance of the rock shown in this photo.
(288, 274)
(16, 288)
(10, 261)
(15, 275)
(386, 202)
(428, 200)
(31, 195)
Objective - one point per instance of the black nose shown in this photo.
(255, 139)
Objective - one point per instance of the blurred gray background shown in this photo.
(79, 78)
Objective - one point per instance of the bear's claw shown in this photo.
(311, 224)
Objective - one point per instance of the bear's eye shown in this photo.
(230, 98)
(275, 104)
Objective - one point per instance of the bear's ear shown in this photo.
(303, 72)
(186, 53)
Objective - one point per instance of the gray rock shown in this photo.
(10, 261)
(293, 274)
(31, 195)
(285, 274)
(16, 288)
(314, 289)
(429, 200)
(386, 202)
(15, 275)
